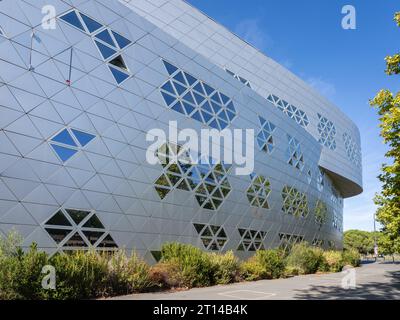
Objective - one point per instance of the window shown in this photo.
(119, 62)
(265, 138)
(288, 240)
(320, 180)
(352, 149)
(209, 182)
(259, 191)
(321, 213)
(185, 94)
(73, 19)
(105, 51)
(327, 132)
(295, 202)
(91, 24)
(291, 111)
(318, 242)
(109, 42)
(78, 229)
(213, 237)
(251, 240)
(294, 154)
(237, 77)
(69, 141)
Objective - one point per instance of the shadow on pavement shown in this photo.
(369, 291)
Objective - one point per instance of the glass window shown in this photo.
(105, 51)
(170, 68)
(65, 138)
(91, 24)
(77, 215)
(63, 153)
(73, 19)
(76, 241)
(94, 222)
(119, 75)
(83, 137)
(106, 37)
(58, 219)
(93, 236)
(122, 41)
(119, 62)
(58, 235)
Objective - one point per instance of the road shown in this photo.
(372, 281)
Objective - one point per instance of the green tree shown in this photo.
(388, 201)
(362, 241)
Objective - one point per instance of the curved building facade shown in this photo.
(83, 82)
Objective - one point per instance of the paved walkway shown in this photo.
(373, 281)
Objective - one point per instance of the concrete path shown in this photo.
(372, 281)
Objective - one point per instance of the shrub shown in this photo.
(128, 275)
(79, 275)
(167, 275)
(333, 261)
(291, 271)
(252, 270)
(226, 267)
(351, 257)
(305, 258)
(272, 261)
(265, 264)
(195, 266)
(20, 273)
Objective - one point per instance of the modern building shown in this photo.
(79, 93)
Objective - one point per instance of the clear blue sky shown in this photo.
(346, 66)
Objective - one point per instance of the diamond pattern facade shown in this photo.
(208, 182)
(109, 42)
(294, 153)
(237, 77)
(295, 202)
(77, 102)
(259, 191)
(352, 150)
(77, 229)
(290, 110)
(265, 137)
(327, 132)
(212, 237)
(196, 99)
(252, 240)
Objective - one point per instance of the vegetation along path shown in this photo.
(372, 281)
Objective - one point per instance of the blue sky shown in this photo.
(346, 66)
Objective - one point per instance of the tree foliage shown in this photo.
(388, 201)
(362, 241)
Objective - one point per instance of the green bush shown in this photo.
(265, 264)
(20, 273)
(128, 275)
(167, 275)
(333, 261)
(195, 266)
(252, 270)
(79, 275)
(226, 267)
(351, 257)
(305, 258)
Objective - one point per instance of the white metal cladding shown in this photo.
(227, 51)
(73, 126)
